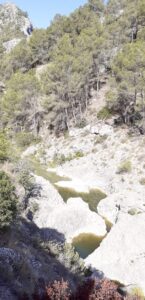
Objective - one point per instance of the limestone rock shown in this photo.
(16, 20)
(29, 151)
(129, 202)
(46, 201)
(75, 218)
(102, 129)
(121, 255)
(75, 184)
(11, 44)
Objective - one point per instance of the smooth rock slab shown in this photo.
(75, 218)
(47, 200)
(115, 205)
(75, 184)
(121, 255)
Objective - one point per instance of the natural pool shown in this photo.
(92, 197)
(85, 244)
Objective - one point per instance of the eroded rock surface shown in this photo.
(121, 255)
(115, 205)
(74, 218)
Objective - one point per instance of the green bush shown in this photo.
(25, 139)
(125, 167)
(104, 113)
(8, 200)
(26, 179)
(4, 146)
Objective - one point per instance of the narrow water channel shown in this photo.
(84, 244)
(92, 198)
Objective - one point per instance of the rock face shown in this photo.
(102, 129)
(115, 205)
(11, 44)
(45, 202)
(14, 25)
(74, 218)
(76, 185)
(121, 255)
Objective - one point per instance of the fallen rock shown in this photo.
(75, 218)
(121, 255)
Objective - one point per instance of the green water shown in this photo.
(85, 244)
(92, 198)
(40, 170)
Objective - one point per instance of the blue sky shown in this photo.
(42, 12)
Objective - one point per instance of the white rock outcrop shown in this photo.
(47, 200)
(117, 204)
(121, 255)
(75, 218)
(102, 129)
(75, 184)
(9, 45)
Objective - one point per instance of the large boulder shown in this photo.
(75, 218)
(102, 129)
(44, 202)
(121, 255)
(129, 202)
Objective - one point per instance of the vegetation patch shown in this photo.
(124, 167)
(8, 200)
(104, 113)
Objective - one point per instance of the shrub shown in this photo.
(82, 123)
(142, 181)
(89, 290)
(8, 200)
(125, 167)
(25, 139)
(137, 293)
(4, 147)
(79, 154)
(58, 290)
(104, 113)
(26, 179)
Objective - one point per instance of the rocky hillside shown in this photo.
(72, 123)
(14, 25)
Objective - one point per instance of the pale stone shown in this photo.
(30, 151)
(75, 184)
(128, 202)
(121, 255)
(11, 44)
(75, 218)
(47, 200)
